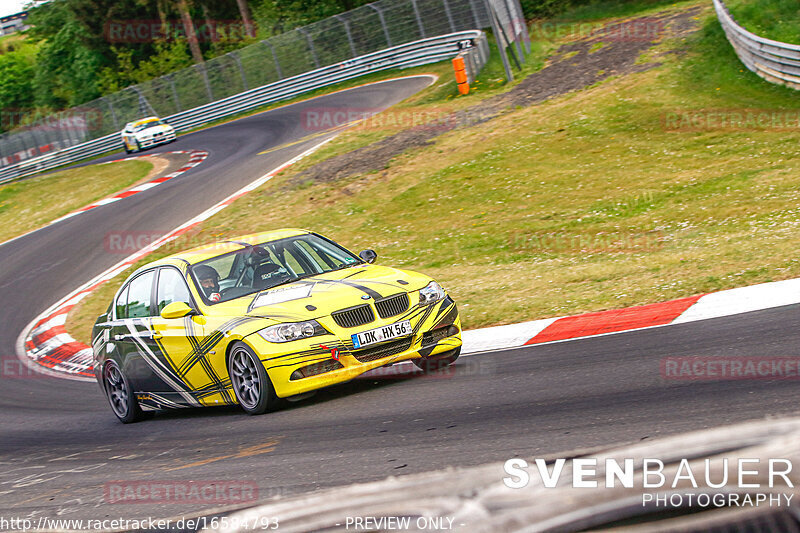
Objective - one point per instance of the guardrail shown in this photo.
(774, 61)
(411, 54)
(476, 498)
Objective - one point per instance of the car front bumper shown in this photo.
(329, 359)
(156, 140)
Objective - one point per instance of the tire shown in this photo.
(138, 146)
(250, 382)
(120, 394)
(437, 362)
(125, 146)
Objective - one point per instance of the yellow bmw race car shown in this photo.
(267, 316)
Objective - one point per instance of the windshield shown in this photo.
(148, 124)
(268, 265)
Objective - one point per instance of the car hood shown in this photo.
(154, 130)
(323, 294)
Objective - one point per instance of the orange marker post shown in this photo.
(461, 75)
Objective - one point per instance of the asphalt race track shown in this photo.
(60, 442)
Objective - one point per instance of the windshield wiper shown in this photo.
(346, 265)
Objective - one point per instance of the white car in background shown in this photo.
(145, 133)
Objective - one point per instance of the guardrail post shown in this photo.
(346, 24)
(144, 105)
(498, 39)
(472, 66)
(274, 57)
(526, 36)
(113, 114)
(175, 98)
(52, 136)
(474, 8)
(419, 19)
(202, 68)
(29, 142)
(37, 141)
(310, 45)
(241, 69)
(70, 136)
(449, 16)
(383, 23)
(512, 18)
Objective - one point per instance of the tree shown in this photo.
(16, 89)
(191, 34)
(66, 64)
(249, 29)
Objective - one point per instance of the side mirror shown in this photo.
(176, 310)
(368, 255)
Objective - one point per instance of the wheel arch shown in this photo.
(229, 349)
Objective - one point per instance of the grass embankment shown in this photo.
(778, 20)
(594, 200)
(28, 204)
(11, 42)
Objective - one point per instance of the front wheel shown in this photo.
(437, 362)
(120, 394)
(251, 385)
(125, 145)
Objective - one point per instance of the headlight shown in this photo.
(291, 331)
(431, 294)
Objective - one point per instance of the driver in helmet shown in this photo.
(209, 281)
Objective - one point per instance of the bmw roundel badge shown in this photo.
(365, 296)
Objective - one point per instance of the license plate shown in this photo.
(373, 336)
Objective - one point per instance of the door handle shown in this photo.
(118, 337)
(157, 335)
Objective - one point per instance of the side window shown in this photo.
(139, 296)
(225, 266)
(171, 288)
(122, 303)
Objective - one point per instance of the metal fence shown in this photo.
(335, 41)
(473, 44)
(510, 32)
(774, 61)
